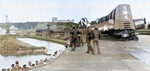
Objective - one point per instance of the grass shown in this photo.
(106, 37)
(143, 31)
(10, 46)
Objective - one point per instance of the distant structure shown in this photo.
(42, 25)
(54, 19)
(2, 31)
(6, 19)
(13, 30)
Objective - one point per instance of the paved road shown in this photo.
(115, 56)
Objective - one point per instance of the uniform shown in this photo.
(74, 33)
(96, 35)
(80, 37)
(13, 68)
(70, 36)
(84, 35)
(88, 39)
(17, 66)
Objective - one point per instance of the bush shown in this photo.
(66, 28)
(148, 26)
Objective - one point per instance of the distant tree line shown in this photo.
(26, 25)
(29, 25)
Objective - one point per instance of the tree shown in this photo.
(144, 21)
(148, 25)
(93, 22)
(48, 25)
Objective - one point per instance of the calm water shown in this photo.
(6, 61)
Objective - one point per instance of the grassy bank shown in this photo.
(11, 46)
(106, 37)
(143, 31)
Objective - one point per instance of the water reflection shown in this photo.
(49, 45)
(6, 61)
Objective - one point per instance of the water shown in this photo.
(6, 61)
(49, 45)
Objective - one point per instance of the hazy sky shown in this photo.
(44, 10)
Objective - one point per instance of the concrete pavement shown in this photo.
(114, 57)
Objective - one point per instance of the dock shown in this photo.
(115, 56)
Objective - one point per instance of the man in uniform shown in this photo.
(71, 36)
(80, 37)
(88, 39)
(13, 68)
(17, 66)
(74, 33)
(96, 35)
(84, 35)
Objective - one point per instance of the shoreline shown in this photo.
(11, 46)
(50, 59)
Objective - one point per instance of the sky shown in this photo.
(44, 10)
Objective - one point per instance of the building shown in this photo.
(2, 31)
(13, 30)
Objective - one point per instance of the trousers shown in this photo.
(96, 43)
(88, 45)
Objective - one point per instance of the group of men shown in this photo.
(92, 38)
(15, 68)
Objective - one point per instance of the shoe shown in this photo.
(70, 45)
(73, 49)
(99, 52)
(93, 53)
(87, 52)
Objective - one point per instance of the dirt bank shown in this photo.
(11, 46)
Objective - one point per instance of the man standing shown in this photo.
(80, 37)
(88, 39)
(17, 66)
(74, 33)
(96, 35)
(70, 45)
(13, 68)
